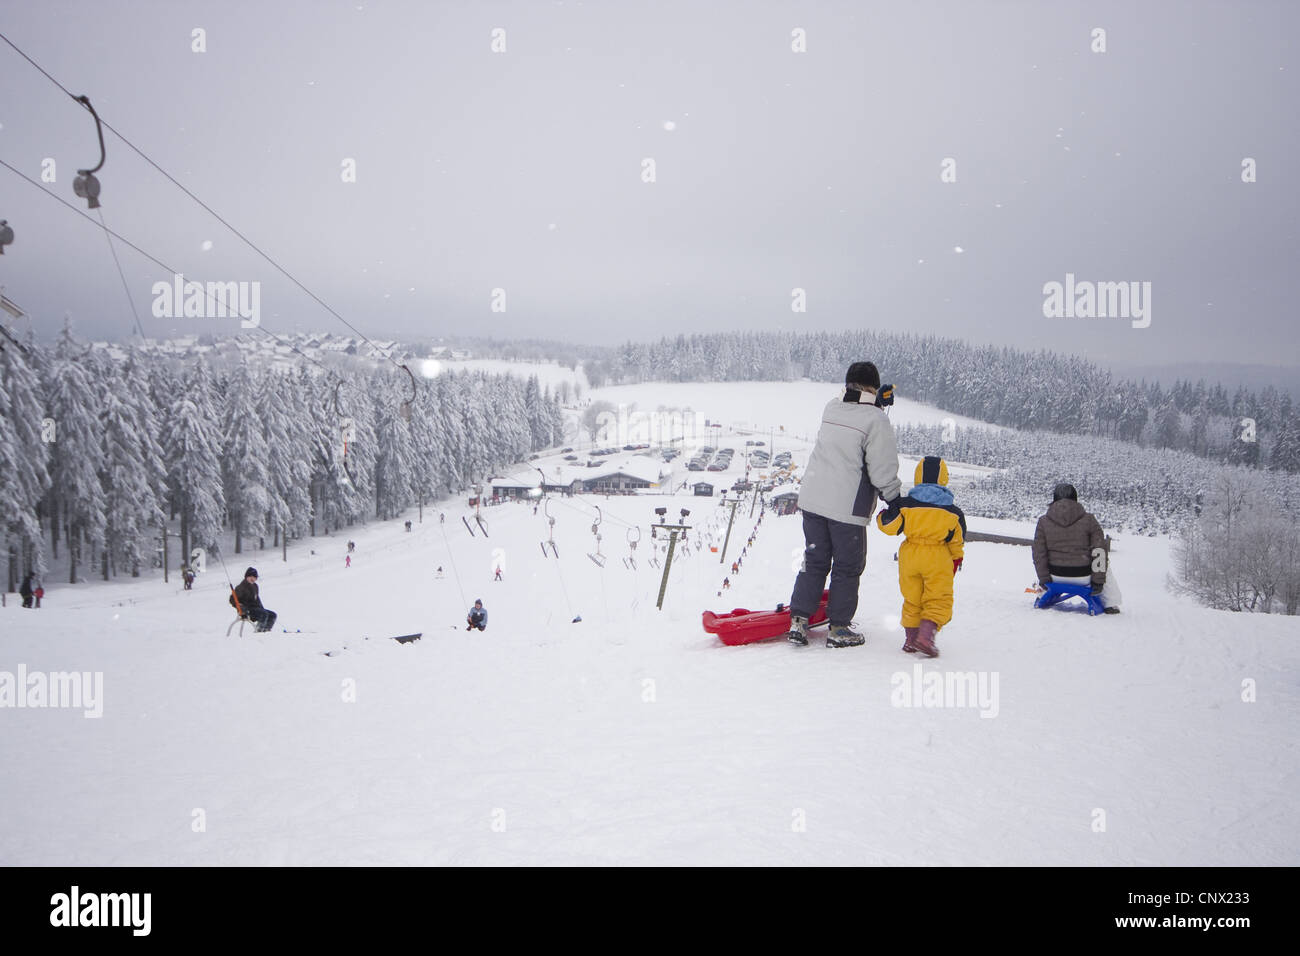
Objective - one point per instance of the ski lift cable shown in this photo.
(252, 245)
(121, 275)
(612, 518)
(154, 259)
(451, 556)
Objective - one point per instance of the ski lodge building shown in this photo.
(625, 477)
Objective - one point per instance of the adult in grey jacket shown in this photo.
(1070, 546)
(854, 457)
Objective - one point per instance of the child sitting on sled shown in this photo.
(929, 559)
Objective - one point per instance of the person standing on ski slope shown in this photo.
(931, 555)
(855, 456)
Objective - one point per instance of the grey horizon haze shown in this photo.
(775, 169)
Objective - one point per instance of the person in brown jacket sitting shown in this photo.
(250, 602)
(1070, 547)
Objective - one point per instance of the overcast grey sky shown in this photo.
(522, 170)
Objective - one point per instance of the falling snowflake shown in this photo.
(958, 249)
(206, 245)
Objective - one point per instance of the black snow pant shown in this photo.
(836, 548)
(264, 619)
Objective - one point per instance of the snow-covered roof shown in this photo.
(634, 467)
(520, 481)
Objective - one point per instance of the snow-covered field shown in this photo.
(796, 406)
(633, 736)
(547, 373)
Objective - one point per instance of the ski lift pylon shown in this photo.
(598, 558)
(630, 561)
(550, 524)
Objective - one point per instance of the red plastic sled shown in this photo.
(743, 626)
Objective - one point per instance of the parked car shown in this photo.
(695, 466)
(563, 450)
(570, 457)
(717, 467)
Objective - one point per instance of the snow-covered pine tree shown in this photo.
(288, 456)
(77, 456)
(191, 442)
(128, 475)
(394, 467)
(24, 460)
(244, 459)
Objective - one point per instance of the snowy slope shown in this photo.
(540, 741)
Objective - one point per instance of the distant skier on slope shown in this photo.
(477, 616)
(250, 602)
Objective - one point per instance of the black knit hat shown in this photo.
(1064, 490)
(863, 373)
(250, 573)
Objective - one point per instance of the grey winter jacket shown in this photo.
(855, 456)
(1065, 542)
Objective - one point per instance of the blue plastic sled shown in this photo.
(1058, 591)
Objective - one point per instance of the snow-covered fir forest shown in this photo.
(1005, 386)
(96, 453)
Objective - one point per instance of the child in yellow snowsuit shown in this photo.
(928, 560)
